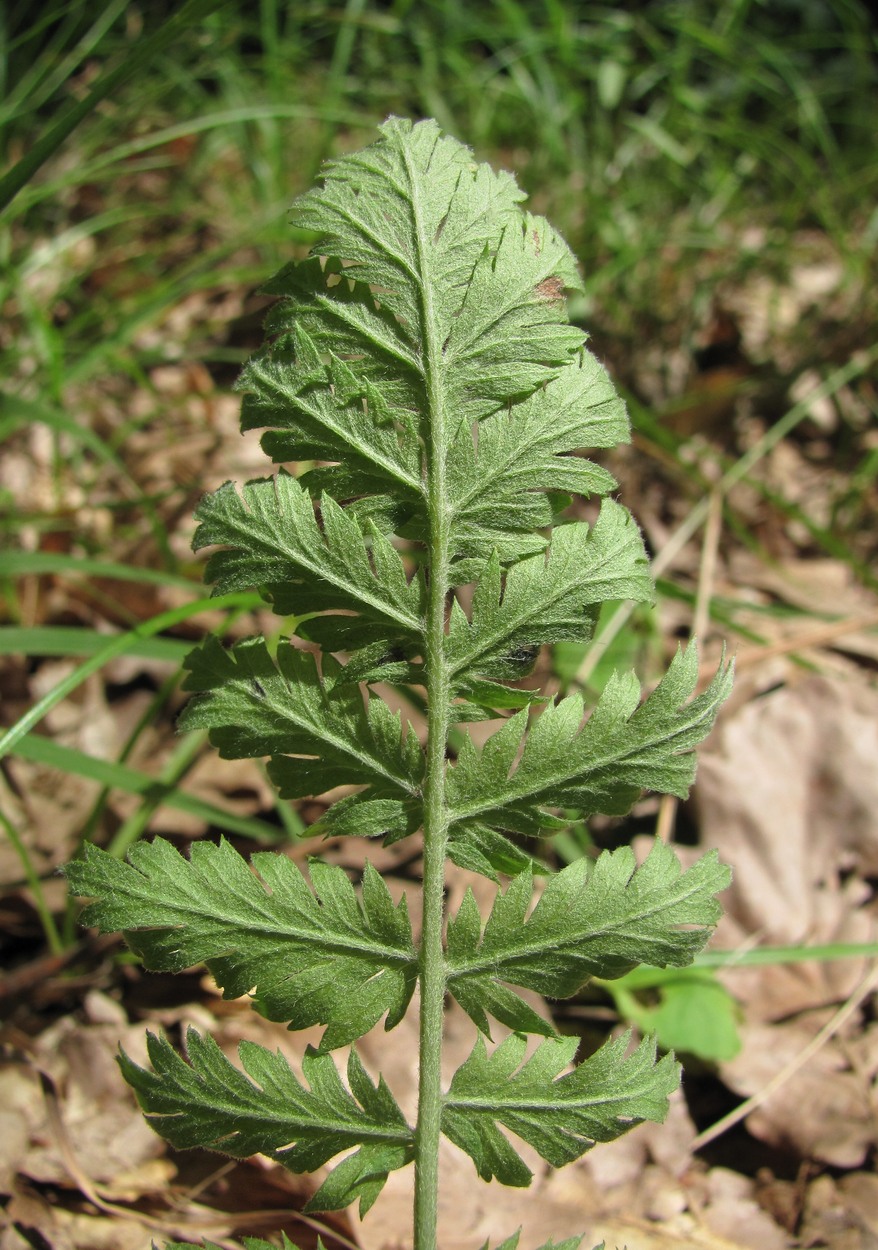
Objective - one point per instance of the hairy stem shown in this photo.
(432, 957)
(432, 976)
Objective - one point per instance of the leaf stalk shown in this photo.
(436, 817)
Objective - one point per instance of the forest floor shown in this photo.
(787, 791)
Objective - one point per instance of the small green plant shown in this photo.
(421, 362)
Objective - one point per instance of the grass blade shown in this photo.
(139, 57)
(159, 793)
(119, 645)
(55, 640)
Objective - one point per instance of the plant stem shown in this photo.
(432, 985)
(432, 957)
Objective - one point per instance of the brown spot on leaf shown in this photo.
(550, 288)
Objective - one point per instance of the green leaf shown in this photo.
(548, 597)
(250, 1243)
(511, 1243)
(422, 363)
(327, 399)
(434, 246)
(560, 1116)
(591, 919)
(602, 766)
(417, 242)
(687, 1009)
(265, 1109)
(414, 213)
(497, 483)
(316, 727)
(272, 539)
(332, 959)
(483, 850)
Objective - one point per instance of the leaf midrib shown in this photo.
(514, 794)
(324, 572)
(466, 967)
(500, 1104)
(289, 934)
(528, 612)
(194, 901)
(368, 452)
(306, 1131)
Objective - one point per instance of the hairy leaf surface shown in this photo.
(590, 920)
(560, 1116)
(340, 381)
(426, 246)
(484, 850)
(498, 483)
(332, 959)
(602, 766)
(271, 539)
(265, 1109)
(421, 363)
(316, 728)
(549, 598)
(413, 213)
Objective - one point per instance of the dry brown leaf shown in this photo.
(788, 794)
(65, 1230)
(841, 1215)
(824, 1111)
(104, 1129)
(731, 1210)
(21, 1111)
(682, 1234)
(821, 588)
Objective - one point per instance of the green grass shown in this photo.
(654, 133)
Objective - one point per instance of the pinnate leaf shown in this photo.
(414, 213)
(591, 919)
(271, 539)
(427, 334)
(549, 597)
(265, 1109)
(498, 483)
(322, 958)
(622, 749)
(316, 727)
(470, 303)
(560, 1116)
